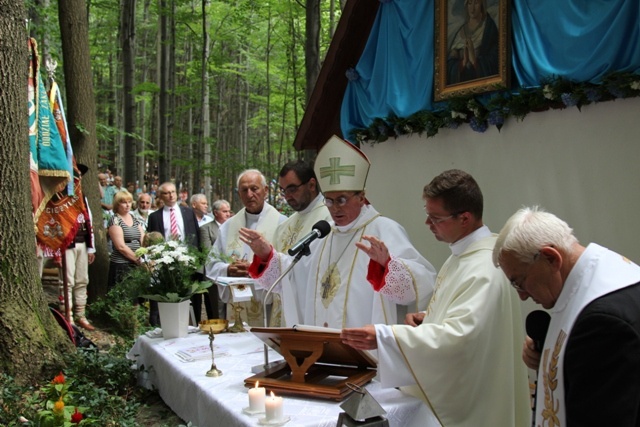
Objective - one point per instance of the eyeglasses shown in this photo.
(291, 189)
(340, 201)
(435, 220)
(519, 286)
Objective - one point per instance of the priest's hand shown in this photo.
(530, 356)
(414, 319)
(360, 338)
(238, 269)
(258, 244)
(377, 250)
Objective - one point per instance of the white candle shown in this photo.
(273, 408)
(257, 396)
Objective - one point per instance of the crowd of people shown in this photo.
(454, 338)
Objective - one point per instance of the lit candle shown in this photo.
(273, 408)
(256, 398)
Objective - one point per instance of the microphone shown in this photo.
(319, 230)
(537, 324)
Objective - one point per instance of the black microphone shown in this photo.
(537, 324)
(320, 229)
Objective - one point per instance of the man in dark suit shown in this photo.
(174, 222)
(589, 366)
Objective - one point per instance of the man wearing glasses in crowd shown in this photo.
(462, 355)
(331, 287)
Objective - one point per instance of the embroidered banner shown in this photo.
(48, 156)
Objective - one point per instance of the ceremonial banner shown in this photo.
(58, 223)
(48, 156)
(55, 100)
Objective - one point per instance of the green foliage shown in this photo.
(480, 112)
(117, 309)
(15, 401)
(102, 385)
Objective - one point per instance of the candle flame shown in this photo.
(257, 383)
(273, 396)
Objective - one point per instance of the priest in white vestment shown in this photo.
(299, 187)
(463, 355)
(331, 288)
(228, 256)
(589, 362)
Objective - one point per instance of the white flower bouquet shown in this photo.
(167, 274)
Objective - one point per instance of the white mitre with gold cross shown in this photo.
(341, 166)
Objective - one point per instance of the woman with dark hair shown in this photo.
(126, 233)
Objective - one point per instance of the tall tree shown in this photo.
(205, 120)
(164, 47)
(127, 39)
(81, 119)
(30, 338)
(312, 45)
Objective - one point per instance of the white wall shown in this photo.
(580, 165)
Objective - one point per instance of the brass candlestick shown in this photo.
(214, 371)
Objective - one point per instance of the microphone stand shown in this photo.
(303, 252)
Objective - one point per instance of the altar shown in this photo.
(177, 369)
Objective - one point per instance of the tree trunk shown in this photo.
(145, 175)
(81, 119)
(129, 107)
(205, 143)
(312, 45)
(163, 106)
(30, 338)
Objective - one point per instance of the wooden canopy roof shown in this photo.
(321, 119)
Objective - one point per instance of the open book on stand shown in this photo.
(317, 363)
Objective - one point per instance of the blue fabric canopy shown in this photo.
(579, 40)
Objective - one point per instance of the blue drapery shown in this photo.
(580, 40)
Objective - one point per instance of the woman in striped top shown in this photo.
(126, 233)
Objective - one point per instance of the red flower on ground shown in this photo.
(76, 417)
(59, 379)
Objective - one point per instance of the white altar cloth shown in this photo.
(207, 401)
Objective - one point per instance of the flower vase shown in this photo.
(174, 319)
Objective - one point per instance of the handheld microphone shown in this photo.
(537, 324)
(320, 229)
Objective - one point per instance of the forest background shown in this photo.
(193, 91)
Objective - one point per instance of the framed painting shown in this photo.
(472, 51)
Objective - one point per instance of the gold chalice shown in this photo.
(214, 325)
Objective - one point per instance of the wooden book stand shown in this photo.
(316, 363)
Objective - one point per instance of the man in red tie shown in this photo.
(175, 222)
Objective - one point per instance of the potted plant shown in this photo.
(168, 275)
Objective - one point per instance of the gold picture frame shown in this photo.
(459, 70)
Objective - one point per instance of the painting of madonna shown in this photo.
(474, 49)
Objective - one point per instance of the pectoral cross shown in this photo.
(326, 285)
